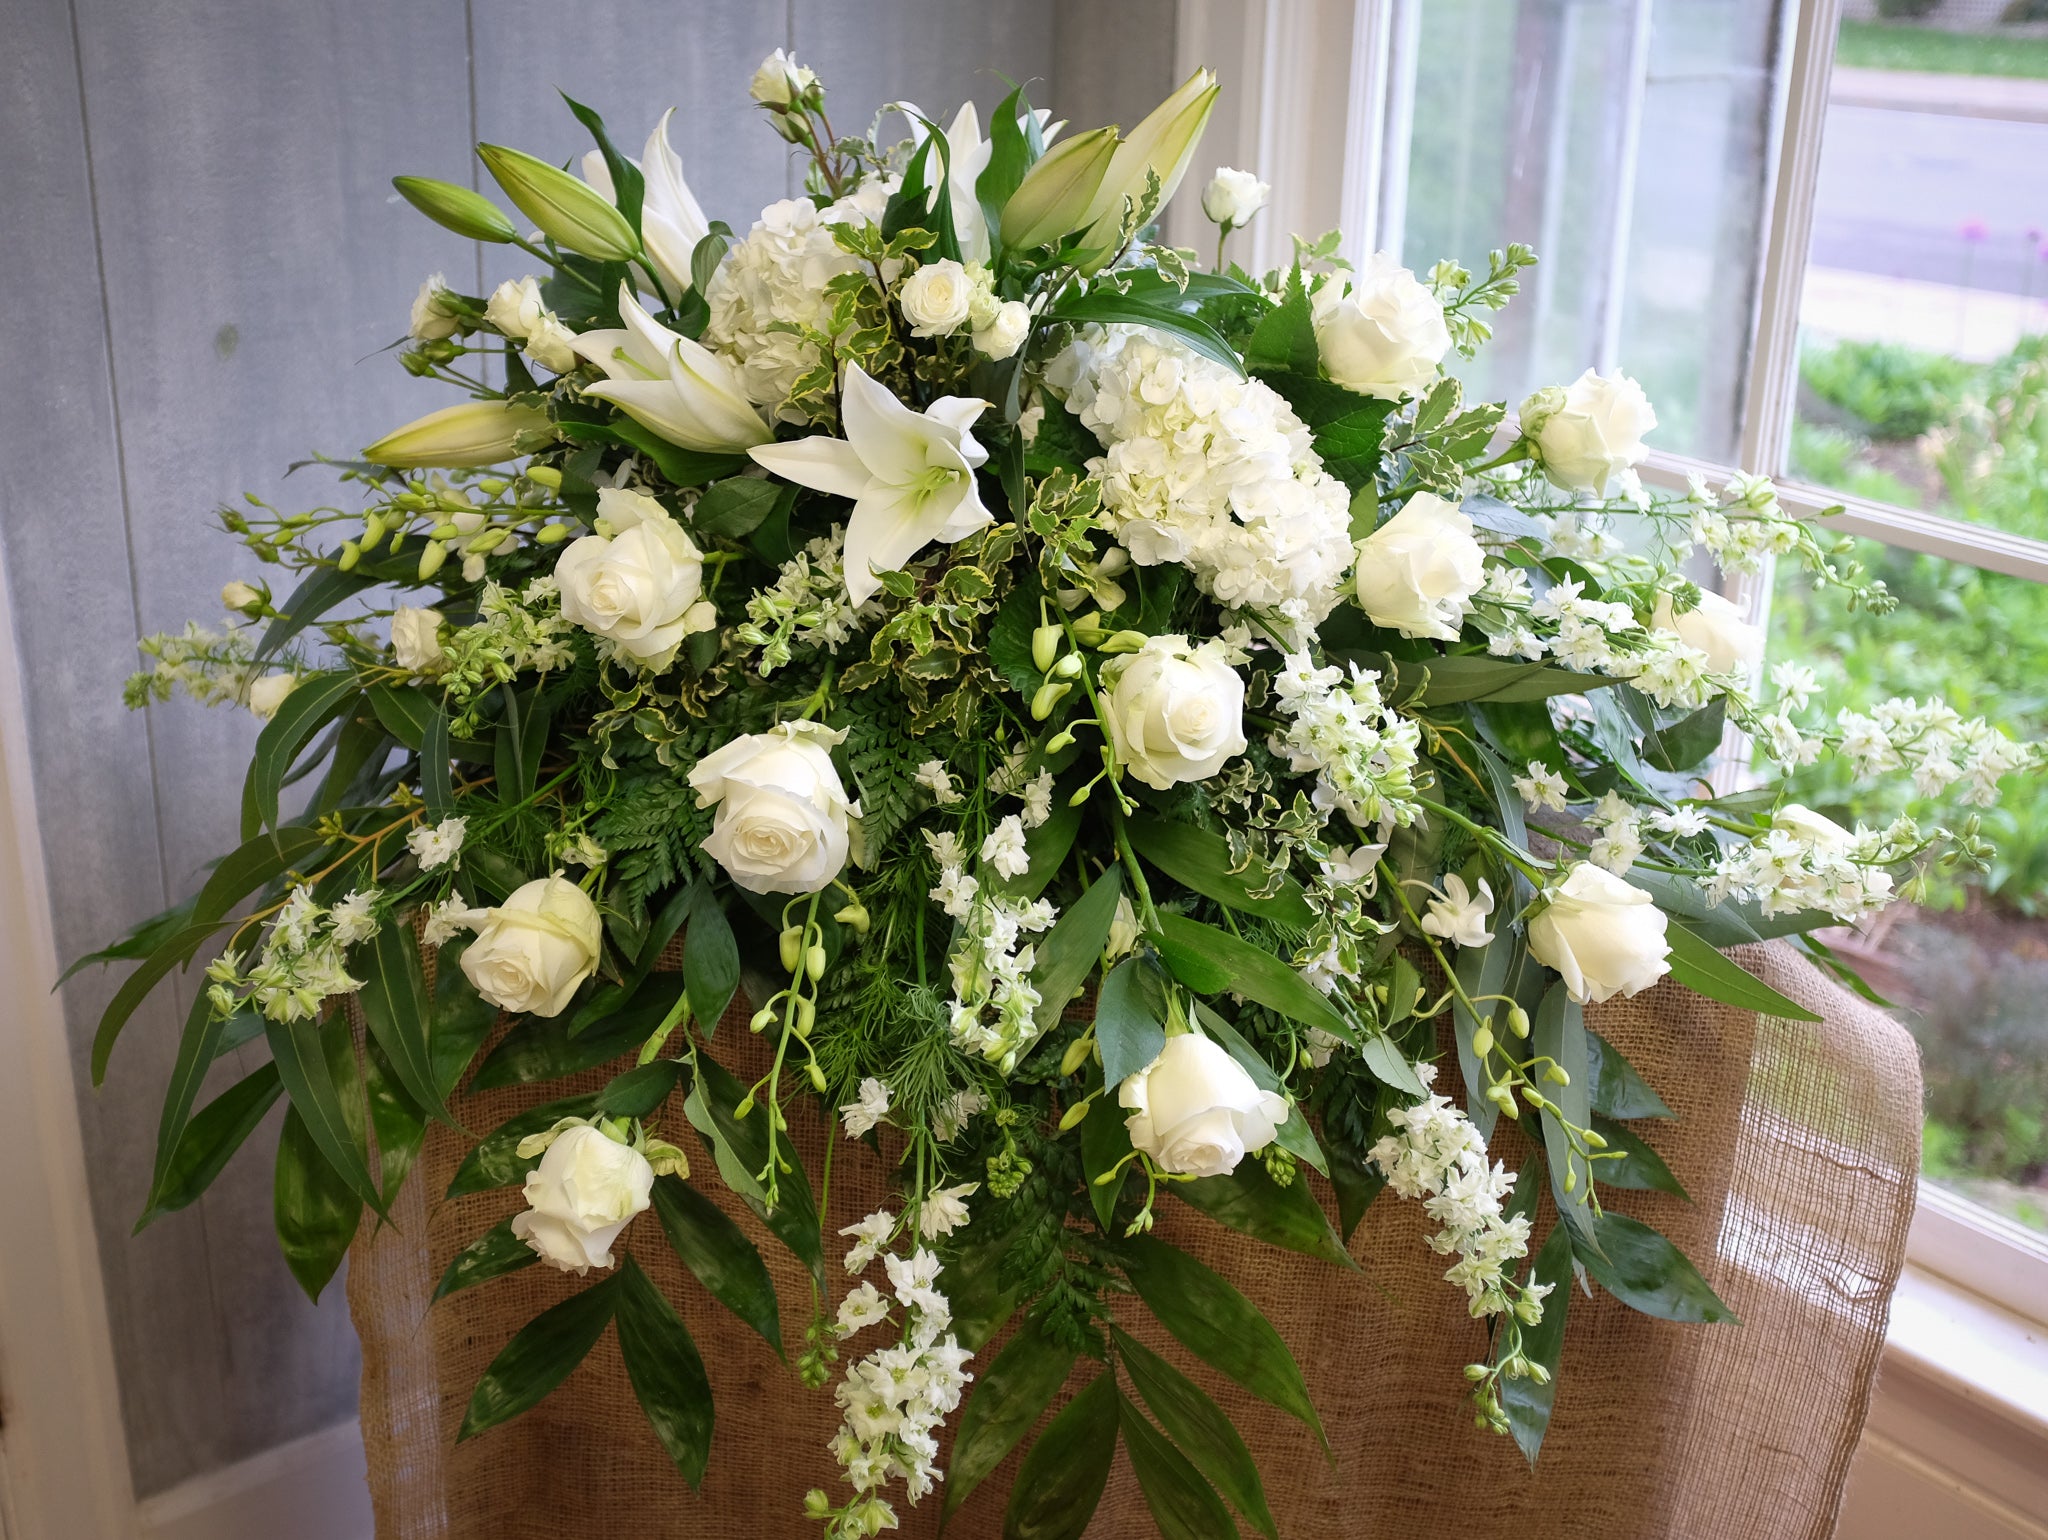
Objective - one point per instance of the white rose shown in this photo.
(416, 639)
(1815, 830)
(936, 298)
(586, 1189)
(1232, 197)
(1386, 335)
(1176, 712)
(1716, 628)
(640, 585)
(1590, 430)
(1005, 331)
(779, 79)
(515, 306)
(551, 344)
(269, 692)
(433, 313)
(533, 951)
(783, 816)
(1601, 935)
(1417, 570)
(1195, 1111)
(242, 597)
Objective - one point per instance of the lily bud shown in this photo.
(468, 214)
(568, 210)
(458, 437)
(1059, 191)
(1162, 144)
(1045, 647)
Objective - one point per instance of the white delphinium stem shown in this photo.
(1363, 751)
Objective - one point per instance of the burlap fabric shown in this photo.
(1798, 1141)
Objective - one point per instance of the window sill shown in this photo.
(1976, 1350)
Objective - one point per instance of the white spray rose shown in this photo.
(243, 598)
(269, 692)
(783, 815)
(1601, 935)
(1233, 196)
(641, 586)
(533, 951)
(1176, 711)
(1195, 1111)
(1385, 335)
(1417, 571)
(515, 306)
(433, 312)
(1589, 431)
(416, 639)
(780, 79)
(936, 298)
(1716, 628)
(1005, 331)
(586, 1189)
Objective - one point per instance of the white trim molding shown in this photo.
(309, 1489)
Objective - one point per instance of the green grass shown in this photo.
(1890, 46)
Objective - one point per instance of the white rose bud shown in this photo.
(1385, 335)
(433, 312)
(586, 1189)
(1232, 197)
(936, 298)
(780, 80)
(1195, 1111)
(515, 307)
(1603, 936)
(642, 586)
(1005, 331)
(1816, 830)
(783, 815)
(1176, 712)
(269, 692)
(551, 344)
(416, 639)
(243, 598)
(1589, 431)
(533, 951)
(1716, 627)
(1417, 571)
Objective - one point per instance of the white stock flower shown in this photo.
(1458, 914)
(865, 1306)
(1418, 571)
(586, 1189)
(439, 846)
(1383, 334)
(910, 475)
(1716, 628)
(1005, 330)
(434, 316)
(448, 919)
(268, 693)
(640, 586)
(1601, 935)
(533, 951)
(1590, 431)
(352, 920)
(671, 220)
(416, 639)
(1176, 711)
(1195, 1111)
(869, 1107)
(1233, 196)
(783, 813)
(671, 385)
(937, 298)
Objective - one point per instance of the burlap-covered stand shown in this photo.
(1798, 1141)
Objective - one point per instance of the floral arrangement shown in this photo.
(1103, 713)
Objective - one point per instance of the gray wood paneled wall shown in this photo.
(205, 260)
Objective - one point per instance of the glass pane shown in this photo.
(1529, 115)
(1923, 365)
(1967, 965)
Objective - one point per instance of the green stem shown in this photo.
(1146, 912)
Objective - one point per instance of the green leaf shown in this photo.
(735, 507)
(1358, 1183)
(539, 1357)
(404, 710)
(1212, 1320)
(1285, 338)
(1010, 156)
(1199, 1427)
(139, 942)
(209, 1140)
(1258, 975)
(397, 1125)
(1293, 1135)
(1010, 1394)
(1248, 1200)
(1073, 946)
(711, 961)
(317, 1063)
(1199, 860)
(1107, 307)
(1617, 1090)
(1475, 677)
(1481, 971)
(1105, 1140)
(1689, 740)
(1193, 967)
(395, 1006)
(679, 467)
(1130, 1026)
(319, 593)
(1640, 1167)
(314, 702)
(1061, 1480)
(496, 1161)
(463, 1019)
(1646, 1272)
(437, 786)
(255, 863)
(1184, 1506)
(1527, 1403)
(1699, 967)
(540, 1048)
(316, 1212)
(1388, 1064)
(640, 1091)
(135, 988)
(196, 1048)
(741, 1149)
(491, 1255)
(724, 1260)
(629, 186)
(1559, 1032)
(666, 1371)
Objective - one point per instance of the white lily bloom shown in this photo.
(672, 222)
(671, 385)
(910, 474)
(967, 156)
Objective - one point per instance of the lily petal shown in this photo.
(889, 526)
(892, 440)
(711, 390)
(823, 464)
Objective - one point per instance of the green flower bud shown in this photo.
(1518, 1021)
(460, 437)
(1045, 647)
(1049, 695)
(1067, 667)
(762, 1019)
(1076, 1055)
(468, 214)
(1058, 741)
(569, 211)
(1482, 1042)
(792, 948)
(544, 476)
(814, 962)
(431, 559)
(351, 553)
(551, 534)
(1126, 641)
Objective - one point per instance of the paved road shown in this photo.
(1897, 189)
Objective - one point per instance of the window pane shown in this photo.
(1923, 369)
(1528, 115)
(1968, 964)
